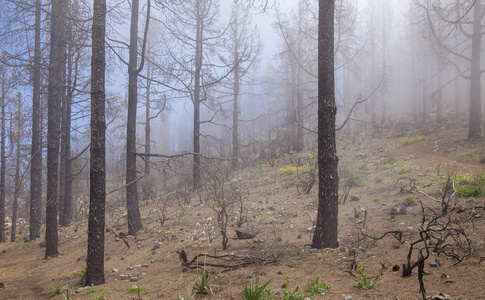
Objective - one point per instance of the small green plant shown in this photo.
(135, 289)
(258, 171)
(410, 140)
(189, 294)
(101, 296)
(352, 177)
(291, 170)
(391, 160)
(267, 179)
(377, 198)
(296, 294)
(364, 166)
(89, 290)
(81, 274)
(387, 164)
(56, 290)
(252, 292)
(317, 286)
(366, 283)
(203, 284)
(467, 185)
(410, 200)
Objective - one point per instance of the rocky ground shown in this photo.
(390, 182)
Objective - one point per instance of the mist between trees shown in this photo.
(187, 89)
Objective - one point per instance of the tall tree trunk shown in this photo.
(97, 169)
(197, 87)
(327, 218)
(66, 177)
(36, 152)
(15, 204)
(3, 161)
(475, 119)
(134, 220)
(55, 93)
(235, 108)
(146, 186)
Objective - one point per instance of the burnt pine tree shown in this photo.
(327, 218)
(97, 176)
(3, 155)
(134, 219)
(36, 150)
(57, 65)
(16, 139)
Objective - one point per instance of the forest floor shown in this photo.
(388, 175)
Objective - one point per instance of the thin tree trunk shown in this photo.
(134, 220)
(197, 87)
(36, 151)
(15, 205)
(235, 108)
(327, 218)
(95, 257)
(146, 185)
(66, 216)
(3, 163)
(475, 119)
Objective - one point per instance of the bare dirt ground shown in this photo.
(280, 215)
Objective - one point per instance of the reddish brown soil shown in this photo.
(281, 217)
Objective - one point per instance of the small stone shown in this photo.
(307, 298)
(108, 258)
(133, 279)
(441, 296)
(124, 277)
(79, 290)
(292, 226)
(82, 258)
(348, 298)
(354, 198)
(343, 249)
(434, 264)
(129, 268)
(160, 295)
(64, 289)
(114, 270)
(396, 268)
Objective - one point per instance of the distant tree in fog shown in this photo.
(197, 37)
(244, 46)
(467, 17)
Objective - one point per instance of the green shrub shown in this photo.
(352, 177)
(317, 286)
(56, 290)
(82, 276)
(267, 179)
(410, 140)
(467, 185)
(291, 170)
(135, 289)
(410, 200)
(203, 284)
(366, 283)
(252, 292)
